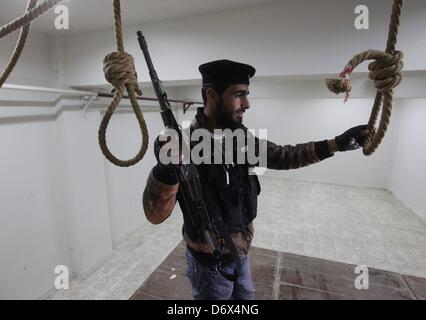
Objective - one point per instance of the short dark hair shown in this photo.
(218, 89)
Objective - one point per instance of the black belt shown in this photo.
(207, 259)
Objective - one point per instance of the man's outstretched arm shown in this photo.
(301, 155)
(292, 157)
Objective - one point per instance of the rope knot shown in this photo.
(386, 71)
(338, 85)
(342, 83)
(119, 69)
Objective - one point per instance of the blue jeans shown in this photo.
(208, 284)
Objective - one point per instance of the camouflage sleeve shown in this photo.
(293, 157)
(159, 199)
(287, 157)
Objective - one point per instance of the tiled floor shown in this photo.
(284, 276)
(346, 224)
(361, 226)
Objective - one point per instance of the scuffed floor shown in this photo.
(286, 276)
(360, 226)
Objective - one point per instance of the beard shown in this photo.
(224, 117)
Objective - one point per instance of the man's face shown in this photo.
(231, 106)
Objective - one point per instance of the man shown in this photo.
(228, 190)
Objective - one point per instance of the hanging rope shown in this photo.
(23, 22)
(120, 71)
(385, 71)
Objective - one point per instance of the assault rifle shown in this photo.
(187, 173)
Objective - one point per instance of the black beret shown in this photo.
(226, 72)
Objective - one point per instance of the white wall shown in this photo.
(33, 219)
(35, 67)
(280, 39)
(85, 195)
(409, 173)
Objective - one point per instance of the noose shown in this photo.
(118, 67)
(120, 71)
(24, 22)
(385, 71)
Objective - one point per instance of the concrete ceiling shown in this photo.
(94, 15)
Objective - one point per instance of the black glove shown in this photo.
(352, 139)
(157, 146)
(163, 172)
